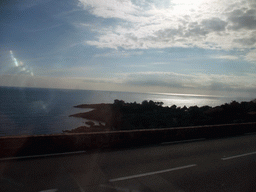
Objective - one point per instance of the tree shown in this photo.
(145, 102)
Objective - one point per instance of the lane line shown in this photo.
(183, 141)
(237, 156)
(45, 155)
(151, 173)
(252, 133)
(80, 187)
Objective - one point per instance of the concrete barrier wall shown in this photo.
(58, 143)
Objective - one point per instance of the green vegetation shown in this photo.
(150, 114)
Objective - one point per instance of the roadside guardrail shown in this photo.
(12, 146)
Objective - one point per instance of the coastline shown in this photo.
(152, 115)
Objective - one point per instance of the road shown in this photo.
(227, 164)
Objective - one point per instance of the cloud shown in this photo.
(243, 18)
(111, 8)
(209, 24)
(214, 24)
(250, 41)
(190, 81)
(251, 56)
(160, 63)
(228, 57)
(151, 81)
(119, 54)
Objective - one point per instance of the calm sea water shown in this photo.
(33, 111)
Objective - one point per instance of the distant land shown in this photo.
(149, 115)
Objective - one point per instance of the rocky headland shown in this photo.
(151, 115)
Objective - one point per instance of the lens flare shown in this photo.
(21, 68)
(14, 59)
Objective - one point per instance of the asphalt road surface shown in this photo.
(227, 164)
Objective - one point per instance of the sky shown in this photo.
(165, 46)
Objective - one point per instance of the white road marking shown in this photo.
(183, 141)
(236, 156)
(45, 155)
(80, 187)
(151, 173)
(49, 190)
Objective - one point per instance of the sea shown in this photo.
(37, 111)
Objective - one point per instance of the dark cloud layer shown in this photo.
(243, 19)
